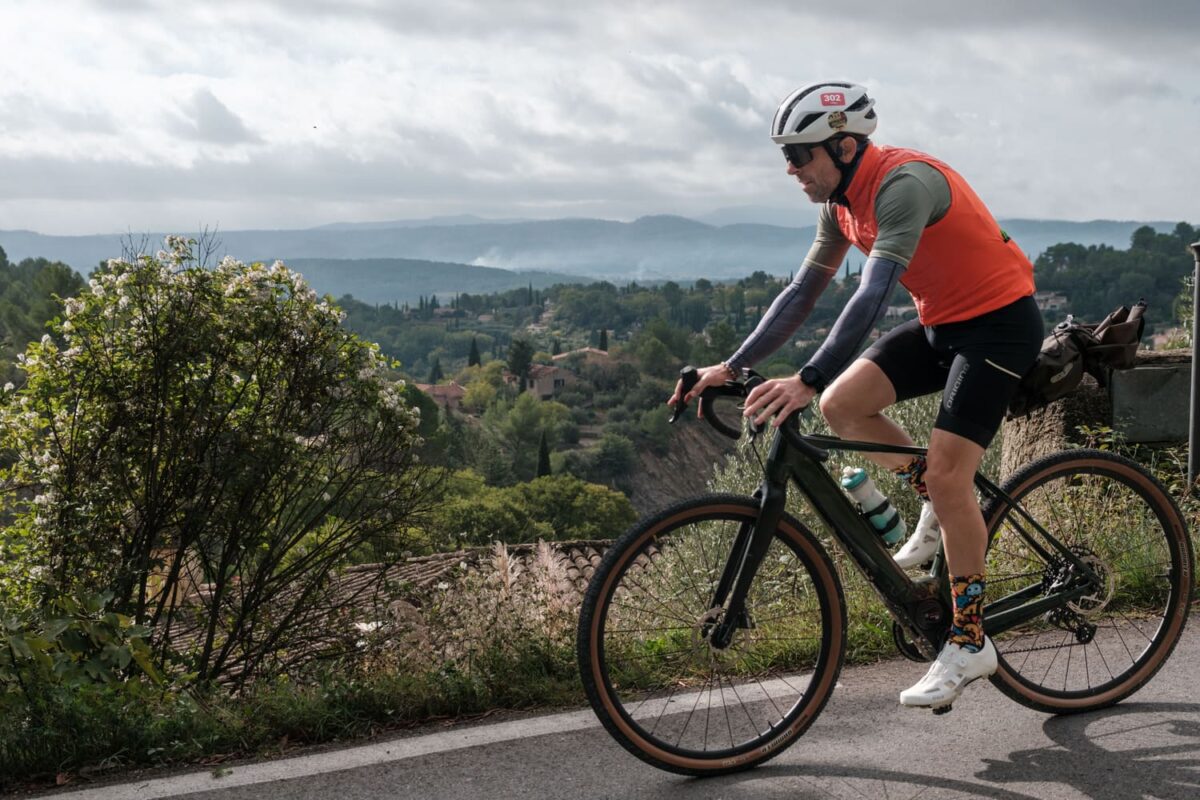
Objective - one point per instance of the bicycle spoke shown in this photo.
(1110, 515)
(664, 673)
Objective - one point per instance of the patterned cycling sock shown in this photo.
(967, 628)
(914, 473)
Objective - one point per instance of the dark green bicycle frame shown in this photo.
(795, 456)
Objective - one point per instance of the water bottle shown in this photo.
(878, 510)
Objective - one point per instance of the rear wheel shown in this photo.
(659, 684)
(1120, 521)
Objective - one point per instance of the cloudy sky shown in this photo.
(121, 115)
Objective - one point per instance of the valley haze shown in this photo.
(400, 261)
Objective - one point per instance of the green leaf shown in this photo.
(141, 656)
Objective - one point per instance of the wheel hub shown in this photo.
(1061, 574)
(702, 636)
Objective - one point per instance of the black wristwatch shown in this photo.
(813, 377)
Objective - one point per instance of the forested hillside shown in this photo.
(1098, 278)
(597, 415)
(27, 292)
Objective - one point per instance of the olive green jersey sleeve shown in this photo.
(911, 197)
(830, 245)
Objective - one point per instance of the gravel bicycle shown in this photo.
(712, 633)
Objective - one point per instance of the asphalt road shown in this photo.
(863, 746)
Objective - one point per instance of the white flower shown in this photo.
(8, 387)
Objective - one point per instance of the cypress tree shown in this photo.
(543, 467)
(604, 339)
(435, 372)
(473, 359)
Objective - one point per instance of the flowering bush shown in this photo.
(209, 446)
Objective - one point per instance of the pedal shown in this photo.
(938, 711)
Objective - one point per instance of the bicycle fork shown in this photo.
(749, 548)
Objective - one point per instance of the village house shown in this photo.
(1050, 301)
(586, 355)
(448, 395)
(545, 381)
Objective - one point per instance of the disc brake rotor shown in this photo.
(1090, 604)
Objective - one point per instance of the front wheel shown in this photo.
(652, 673)
(1121, 522)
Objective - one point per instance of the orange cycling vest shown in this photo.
(964, 265)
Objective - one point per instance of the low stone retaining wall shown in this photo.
(1147, 404)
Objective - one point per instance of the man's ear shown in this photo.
(847, 147)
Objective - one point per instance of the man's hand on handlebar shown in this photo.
(715, 375)
(777, 398)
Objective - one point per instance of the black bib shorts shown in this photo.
(976, 364)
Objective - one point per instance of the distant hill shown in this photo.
(404, 280)
(429, 222)
(1036, 235)
(649, 248)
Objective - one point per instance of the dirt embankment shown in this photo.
(683, 471)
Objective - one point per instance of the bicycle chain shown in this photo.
(1072, 643)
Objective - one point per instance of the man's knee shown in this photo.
(950, 472)
(861, 391)
(946, 484)
(842, 406)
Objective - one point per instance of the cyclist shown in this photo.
(978, 330)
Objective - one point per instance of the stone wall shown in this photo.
(1151, 402)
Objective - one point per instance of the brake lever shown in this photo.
(753, 382)
(690, 377)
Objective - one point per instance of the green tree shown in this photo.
(211, 426)
(551, 507)
(520, 359)
(473, 359)
(575, 509)
(543, 465)
(604, 339)
(614, 460)
(435, 372)
(479, 395)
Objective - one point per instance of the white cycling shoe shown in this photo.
(954, 669)
(923, 543)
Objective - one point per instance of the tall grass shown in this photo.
(501, 636)
(869, 635)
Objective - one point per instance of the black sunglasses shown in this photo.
(798, 154)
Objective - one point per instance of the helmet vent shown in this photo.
(809, 119)
(859, 104)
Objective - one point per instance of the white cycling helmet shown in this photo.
(819, 111)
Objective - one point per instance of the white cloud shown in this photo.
(161, 115)
(206, 119)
